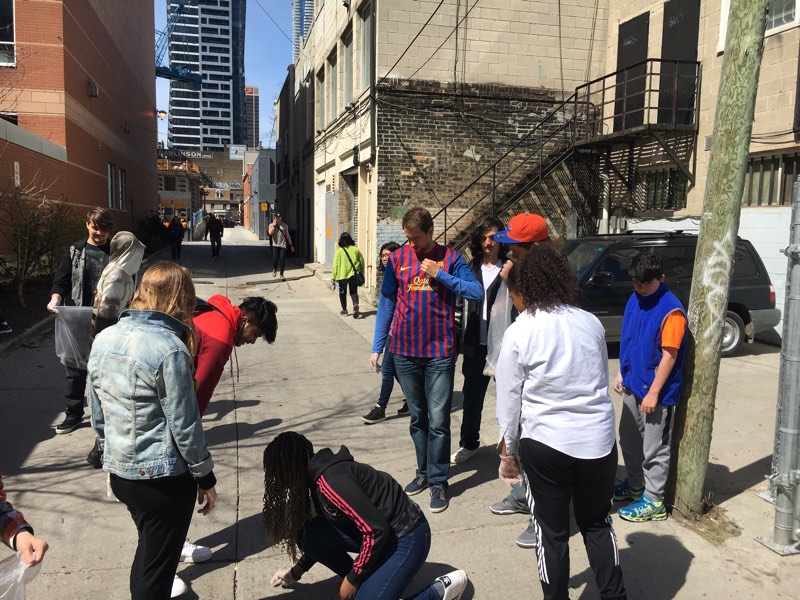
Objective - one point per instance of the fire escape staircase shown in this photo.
(601, 123)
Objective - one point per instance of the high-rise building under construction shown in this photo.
(209, 39)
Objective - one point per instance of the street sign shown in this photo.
(264, 207)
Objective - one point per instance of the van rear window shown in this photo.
(743, 264)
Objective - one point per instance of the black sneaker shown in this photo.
(95, 457)
(343, 313)
(70, 423)
(403, 410)
(376, 415)
(5, 327)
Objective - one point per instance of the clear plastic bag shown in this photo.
(499, 320)
(14, 576)
(73, 335)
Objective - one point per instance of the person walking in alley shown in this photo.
(328, 505)
(556, 420)
(280, 239)
(650, 379)
(215, 230)
(422, 281)
(487, 261)
(388, 372)
(348, 264)
(74, 284)
(141, 387)
(175, 232)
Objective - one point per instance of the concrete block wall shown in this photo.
(499, 41)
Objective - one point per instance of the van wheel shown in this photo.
(732, 333)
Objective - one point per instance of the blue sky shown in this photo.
(267, 53)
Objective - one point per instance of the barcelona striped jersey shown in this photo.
(422, 306)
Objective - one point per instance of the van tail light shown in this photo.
(772, 294)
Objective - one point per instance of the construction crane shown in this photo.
(177, 72)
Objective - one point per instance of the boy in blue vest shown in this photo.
(650, 380)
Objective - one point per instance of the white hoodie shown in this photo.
(115, 288)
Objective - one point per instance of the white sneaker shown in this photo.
(454, 584)
(462, 455)
(178, 587)
(192, 553)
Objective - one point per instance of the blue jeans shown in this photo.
(428, 386)
(400, 560)
(388, 375)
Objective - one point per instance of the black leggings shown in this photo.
(278, 259)
(162, 511)
(343, 285)
(556, 478)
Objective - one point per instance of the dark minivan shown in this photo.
(601, 265)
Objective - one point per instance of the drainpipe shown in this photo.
(787, 473)
(605, 204)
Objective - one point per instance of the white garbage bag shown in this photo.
(499, 320)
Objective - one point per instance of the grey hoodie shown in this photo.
(116, 286)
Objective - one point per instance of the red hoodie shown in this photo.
(216, 330)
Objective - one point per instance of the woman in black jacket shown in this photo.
(487, 261)
(328, 505)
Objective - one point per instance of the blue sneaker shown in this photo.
(642, 510)
(625, 491)
(439, 501)
(416, 486)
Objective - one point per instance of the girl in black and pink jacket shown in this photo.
(327, 505)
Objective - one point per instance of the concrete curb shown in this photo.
(31, 332)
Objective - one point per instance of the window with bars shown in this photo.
(366, 46)
(347, 44)
(332, 87)
(664, 190)
(769, 179)
(781, 12)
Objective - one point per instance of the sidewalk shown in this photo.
(315, 379)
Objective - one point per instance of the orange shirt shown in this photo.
(673, 330)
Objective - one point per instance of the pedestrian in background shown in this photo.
(141, 386)
(74, 284)
(215, 230)
(556, 420)
(422, 281)
(17, 534)
(175, 232)
(388, 372)
(358, 509)
(650, 379)
(280, 239)
(348, 263)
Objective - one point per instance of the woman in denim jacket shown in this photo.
(141, 389)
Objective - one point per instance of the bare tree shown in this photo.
(37, 229)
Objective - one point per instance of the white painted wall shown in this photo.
(768, 229)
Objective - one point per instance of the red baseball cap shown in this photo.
(522, 229)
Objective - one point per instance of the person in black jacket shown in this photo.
(74, 284)
(327, 505)
(488, 258)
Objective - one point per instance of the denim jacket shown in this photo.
(141, 389)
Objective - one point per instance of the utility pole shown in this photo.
(716, 245)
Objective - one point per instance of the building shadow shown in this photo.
(230, 432)
(482, 468)
(221, 408)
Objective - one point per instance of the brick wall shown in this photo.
(432, 145)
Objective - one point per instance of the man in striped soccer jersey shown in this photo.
(420, 286)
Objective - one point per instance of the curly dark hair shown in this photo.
(480, 228)
(287, 500)
(543, 279)
(264, 313)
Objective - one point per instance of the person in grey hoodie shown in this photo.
(113, 294)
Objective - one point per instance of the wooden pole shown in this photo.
(716, 245)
